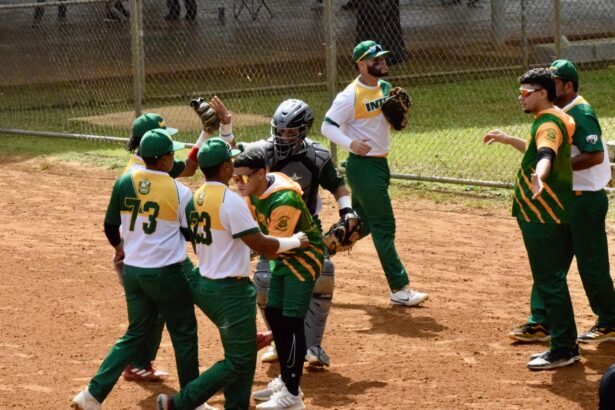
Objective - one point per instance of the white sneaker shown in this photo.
(206, 406)
(317, 357)
(274, 386)
(408, 297)
(270, 355)
(85, 401)
(283, 400)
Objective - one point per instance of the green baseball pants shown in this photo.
(591, 250)
(149, 291)
(230, 304)
(369, 179)
(549, 250)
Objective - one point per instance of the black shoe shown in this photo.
(552, 359)
(530, 332)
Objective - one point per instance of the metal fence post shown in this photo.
(498, 21)
(557, 29)
(524, 40)
(138, 54)
(331, 60)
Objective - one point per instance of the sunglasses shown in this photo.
(373, 49)
(244, 179)
(524, 92)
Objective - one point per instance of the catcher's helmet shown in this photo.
(291, 115)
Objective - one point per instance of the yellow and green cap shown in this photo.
(158, 142)
(368, 49)
(215, 151)
(148, 122)
(565, 70)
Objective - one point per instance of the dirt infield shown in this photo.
(61, 309)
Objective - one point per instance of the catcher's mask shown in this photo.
(289, 127)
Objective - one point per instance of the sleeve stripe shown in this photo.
(330, 121)
(247, 232)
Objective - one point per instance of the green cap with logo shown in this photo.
(158, 142)
(368, 49)
(215, 151)
(148, 122)
(565, 70)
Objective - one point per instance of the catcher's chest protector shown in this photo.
(304, 169)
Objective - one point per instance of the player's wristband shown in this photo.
(345, 202)
(286, 244)
(193, 154)
(226, 130)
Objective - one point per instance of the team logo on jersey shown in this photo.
(374, 105)
(144, 187)
(592, 139)
(551, 135)
(200, 198)
(282, 224)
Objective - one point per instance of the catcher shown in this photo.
(308, 163)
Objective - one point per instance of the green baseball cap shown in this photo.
(368, 49)
(565, 70)
(158, 142)
(215, 151)
(148, 122)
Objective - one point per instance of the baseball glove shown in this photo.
(344, 233)
(209, 118)
(396, 108)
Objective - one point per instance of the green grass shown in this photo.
(448, 119)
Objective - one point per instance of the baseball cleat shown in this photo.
(552, 359)
(598, 334)
(273, 386)
(408, 297)
(283, 400)
(270, 355)
(85, 401)
(143, 375)
(530, 332)
(317, 357)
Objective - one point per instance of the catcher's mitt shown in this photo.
(344, 233)
(396, 108)
(209, 118)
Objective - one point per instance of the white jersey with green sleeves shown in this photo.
(149, 207)
(218, 218)
(588, 138)
(356, 110)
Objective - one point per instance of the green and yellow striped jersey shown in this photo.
(281, 212)
(552, 128)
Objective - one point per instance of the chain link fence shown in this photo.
(87, 67)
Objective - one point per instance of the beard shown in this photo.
(377, 72)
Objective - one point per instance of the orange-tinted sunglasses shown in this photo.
(524, 92)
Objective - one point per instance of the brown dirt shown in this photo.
(61, 309)
(177, 116)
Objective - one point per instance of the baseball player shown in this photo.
(277, 205)
(141, 366)
(355, 122)
(148, 206)
(223, 231)
(308, 163)
(592, 172)
(542, 201)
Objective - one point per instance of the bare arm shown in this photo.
(190, 169)
(543, 167)
(587, 160)
(498, 136)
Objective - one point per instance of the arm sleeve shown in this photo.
(284, 216)
(112, 216)
(340, 113)
(112, 232)
(333, 132)
(548, 135)
(330, 178)
(236, 217)
(587, 135)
